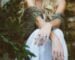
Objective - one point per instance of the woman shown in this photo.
(47, 42)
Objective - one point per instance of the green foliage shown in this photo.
(12, 29)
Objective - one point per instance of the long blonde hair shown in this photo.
(48, 7)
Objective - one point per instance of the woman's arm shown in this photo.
(60, 9)
(57, 49)
(56, 22)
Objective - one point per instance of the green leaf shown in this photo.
(4, 39)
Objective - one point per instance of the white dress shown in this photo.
(44, 52)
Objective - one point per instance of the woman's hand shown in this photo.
(43, 34)
(57, 49)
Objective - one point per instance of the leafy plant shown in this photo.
(12, 31)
